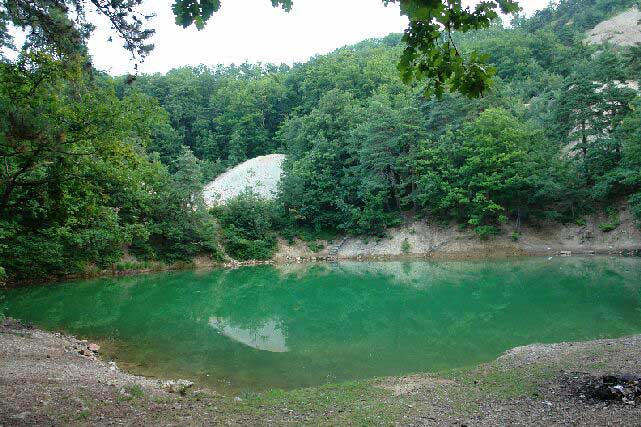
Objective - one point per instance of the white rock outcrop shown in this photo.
(260, 174)
(621, 30)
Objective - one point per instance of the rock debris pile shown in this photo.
(261, 175)
(613, 389)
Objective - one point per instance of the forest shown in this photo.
(96, 166)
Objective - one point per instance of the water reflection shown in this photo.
(266, 336)
(301, 325)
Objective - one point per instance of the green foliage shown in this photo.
(315, 246)
(405, 247)
(346, 164)
(608, 227)
(94, 165)
(198, 12)
(61, 26)
(133, 265)
(432, 53)
(83, 415)
(131, 392)
(247, 224)
(635, 205)
(224, 115)
(613, 222)
(483, 173)
(77, 185)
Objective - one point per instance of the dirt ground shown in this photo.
(425, 239)
(44, 380)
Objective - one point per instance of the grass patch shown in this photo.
(365, 403)
(598, 366)
(352, 403)
(503, 383)
(131, 392)
(83, 415)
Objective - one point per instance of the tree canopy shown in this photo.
(107, 172)
(431, 53)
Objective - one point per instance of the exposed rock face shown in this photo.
(425, 238)
(260, 174)
(622, 30)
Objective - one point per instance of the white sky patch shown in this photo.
(253, 31)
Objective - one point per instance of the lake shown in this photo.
(292, 326)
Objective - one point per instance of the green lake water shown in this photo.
(302, 325)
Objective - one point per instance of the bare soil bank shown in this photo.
(44, 380)
(421, 239)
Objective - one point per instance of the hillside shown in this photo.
(621, 30)
(554, 139)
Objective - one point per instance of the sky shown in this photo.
(254, 31)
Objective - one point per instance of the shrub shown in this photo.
(405, 247)
(243, 249)
(486, 231)
(248, 223)
(614, 222)
(515, 236)
(635, 205)
(315, 246)
(608, 227)
(133, 265)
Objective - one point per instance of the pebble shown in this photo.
(20, 416)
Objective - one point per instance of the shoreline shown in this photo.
(204, 265)
(537, 383)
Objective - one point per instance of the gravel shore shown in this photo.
(52, 379)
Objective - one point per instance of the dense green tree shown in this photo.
(431, 53)
(319, 157)
(482, 174)
(590, 109)
(77, 184)
(246, 115)
(390, 128)
(248, 227)
(95, 166)
(62, 27)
